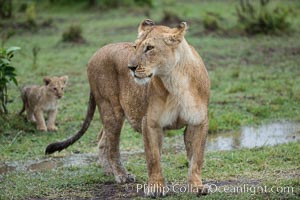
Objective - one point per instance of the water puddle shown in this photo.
(247, 137)
(49, 163)
(251, 137)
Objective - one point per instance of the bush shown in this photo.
(35, 50)
(211, 21)
(109, 4)
(170, 17)
(31, 16)
(23, 7)
(260, 18)
(47, 22)
(148, 3)
(6, 9)
(7, 74)
(106, 4)
(73, 34)
(6, 35)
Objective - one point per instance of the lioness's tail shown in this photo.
(24, 100)
(58, 146)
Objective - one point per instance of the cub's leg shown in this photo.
(51, 120)
(30, 115)
(112, 117)
(195, 138)
(40, 121)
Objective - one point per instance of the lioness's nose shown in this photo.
(132, 68)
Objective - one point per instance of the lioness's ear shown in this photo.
(47, 80)
(177, 36)
(145, 25)
(64, 79)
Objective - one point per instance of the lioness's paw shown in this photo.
(42, 128)
(126, 178)
(204, 190)
(52, 128)
(156, 190)
(200, 189)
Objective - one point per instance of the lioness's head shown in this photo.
(156, 50)
(56, 85)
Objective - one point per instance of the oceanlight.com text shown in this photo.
(211, 188)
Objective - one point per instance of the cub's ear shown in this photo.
(64, 79)
(145, 25)
(178, 34)
(47, 80)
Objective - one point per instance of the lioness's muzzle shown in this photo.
(149, 76)
(132, 68)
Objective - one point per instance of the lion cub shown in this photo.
(39, 99)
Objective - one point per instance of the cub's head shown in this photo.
(56, 85)
(157, 50)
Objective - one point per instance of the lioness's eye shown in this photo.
(62, 88)
(134, 46)
(55, 88)
(148, 48)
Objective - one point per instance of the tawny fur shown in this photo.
(40, 99)
(173, 92)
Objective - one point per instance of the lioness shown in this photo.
(173, 93)
(39, 99)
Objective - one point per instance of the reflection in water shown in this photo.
(49, 163)
(248, 137)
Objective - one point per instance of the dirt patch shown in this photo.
(115, 191)
(112, 191)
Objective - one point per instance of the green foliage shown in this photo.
(6, 8)
(261, 19)
(6, 35)
(109, 4)
(106, 4)
(7, 74)
(211, 21)
(23, 7)
(170, 17)
(35, 50)
(143, 3)
(73, 34)
(47, 22)
(31, 15)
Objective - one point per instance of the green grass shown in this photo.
(267, 166)
(253, 80)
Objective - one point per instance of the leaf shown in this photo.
(12, 49)
(8, 69)
(15, 81)
(5, 61)
(10, 74)
(10, 56)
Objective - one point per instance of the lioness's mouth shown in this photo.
(149, 76)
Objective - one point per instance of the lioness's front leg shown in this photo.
(195, 137)
(40, 121)
(51, 120)
(152, 135)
